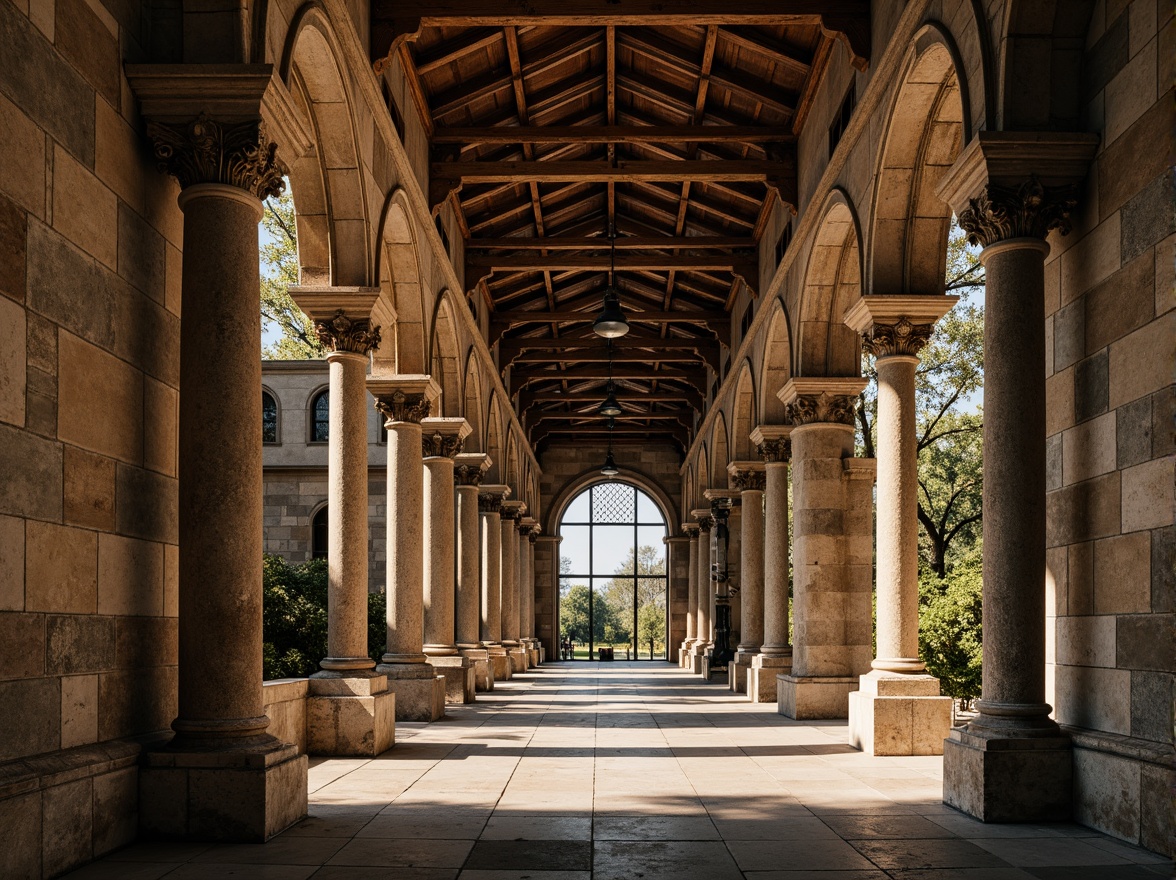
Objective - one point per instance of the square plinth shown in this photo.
(814, 697)
(737, 676)
(420, 692)
(480, 659)
(761, 677)
(351, 725)
(246, 796)
(1006, 779)
(518, 659)
(913, 724)
(500, 665)
(710, 671)
(460, 677)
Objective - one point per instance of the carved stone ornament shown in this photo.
(1026, 211)
(705, 524)
(438, 445)
(490, 504)
(468, 475)
(808, 409)
(401, 407)
(776, 450)
(749, 480)
(341, 333)
(205, 151)
(510, 515)
(902, 337)
(691, 531)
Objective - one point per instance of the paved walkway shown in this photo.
(635, 771)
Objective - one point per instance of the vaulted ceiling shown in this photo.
(674, 124)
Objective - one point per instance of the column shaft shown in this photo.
(751, 586)
(468, 567)
(706, 592)
(491, 577)
(439, 560)
(509, 561)
(220, 491)
(405, 564)
(692, 590)
(776, 562)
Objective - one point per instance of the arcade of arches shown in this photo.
(767, 187)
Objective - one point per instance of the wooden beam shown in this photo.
(592, 343)
(742, 264)
(569, 317)
(655, 171)
(521, 377)
(680, 433)
(467, 43)
(613, 134)
(580, 357)
(629, 243)
(663, 395)
(686, 416)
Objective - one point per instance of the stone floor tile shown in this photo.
(158, 851)
(508, 827)
(817, 854)
(801, 828)
(1103, 872)
(909, 854)
(1130, 852)
(525, 875)
(884, 827)
(816, 875)
(243, 871)
(335, 872)
(963, 874)
(406, 824)
(662, 860)
(344, 825)
(654, 828)
(377, 852)
(111, 870)
(1048, 852)
(282, 850)
(531, 855)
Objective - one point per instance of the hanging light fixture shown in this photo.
(610, 468)
(611, 323)
(609, 406)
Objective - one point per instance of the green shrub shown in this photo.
(950, 635)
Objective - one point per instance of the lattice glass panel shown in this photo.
(613, 503)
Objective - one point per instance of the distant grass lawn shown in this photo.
(619, 653)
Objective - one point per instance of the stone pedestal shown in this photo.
(350, 714)
(898, 715)
(480, 660)
(710, 672)
(534, 654)
(1004, 779)
(460, 677)
(247, 795)
(813, 697)
(518, 658)
(420, 692)
(761, 677)
(500, 665)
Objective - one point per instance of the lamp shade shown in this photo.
(611, 323)
(610, 468)
(609, 406)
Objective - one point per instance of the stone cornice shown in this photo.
(772, 443)
(749, 479)
(691, 529)
(405, 398)
(702, 516)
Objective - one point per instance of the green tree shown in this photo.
(651, 629)
(279, 261)
(579, 620)
(950, 626)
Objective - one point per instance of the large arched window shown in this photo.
(320, 418)
(269, 418)
(612, 581)
(319, 532)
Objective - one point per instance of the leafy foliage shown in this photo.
(612, 605)
(294, 618)
(950, 633)
(279, 259)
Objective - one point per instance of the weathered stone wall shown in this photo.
(1110, 332)
(90, 240)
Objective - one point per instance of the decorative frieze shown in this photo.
(401, 407)
(901, 337)
(1029, 210)
(206, 151)
(807, 409)
(341, 333)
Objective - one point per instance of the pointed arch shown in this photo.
(720, 453)
(402, 290)
(444, 365)
(472, 409)
(777, 366)
(703, 478)
(744, 415)
(494, 445)
(832, 284)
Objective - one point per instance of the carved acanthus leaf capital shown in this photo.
(1030, 210)
(749, 480)
(808, 409)
(437, 445)
(468, 475)
(510, 514)
(705, 524)
(490, 503)
(341, 333)
(401, 407)
(206, 151)
(775, 450)
(691, 531)
(901, 337)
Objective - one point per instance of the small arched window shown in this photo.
(269, 418)
(319, 533)
(320, 418)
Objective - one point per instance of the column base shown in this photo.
(500, 665)
(533, 652)
(1008, 779)
(711, 672)
(350, 716)
(247, 795)
(697, 652)
(460, 677)
(761, 677)
(517, 653)
(814, 696)
(420, 692)
(480, 659)
(684, 653)
(899, 715)
(737, 673)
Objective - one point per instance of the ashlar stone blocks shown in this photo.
(899, 715)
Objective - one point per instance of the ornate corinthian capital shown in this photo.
(401, 407)
(468, 475)
(205, 151)
(1029, 210)
(341, 333)
(748, 480)
(808, 409)
(490, 503)
(901, 337)
(438, 445)
(773, 451)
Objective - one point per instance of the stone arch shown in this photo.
(927, 127)
(476, 441)
(592, 476)
(720, 453)
(494, 444)
(832, 284)
(703, 477)
(1040, 68)
(443, 358)
(332, 213)
(744, 414)
(777, 366)
(402, 289)
(512, 466)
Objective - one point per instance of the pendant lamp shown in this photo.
(611, 323)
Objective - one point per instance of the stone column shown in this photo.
(528, 533)
(729, 499)
(469, 469)
(691, 531)
(1013, 763)
(898, 709)
(749, 478)
(350, 710)
(442, 440)
(547, 594)
(702, 611)
(775, 655)
(832, 556)
(512, 513)
(490, 505)
(420, 692)
(222, 777)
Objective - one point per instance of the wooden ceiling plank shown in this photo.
(624, 243)
(466, 43)
(416, 90)
(761, 44)
(656, 171)
(612, 133)
(625, 261)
